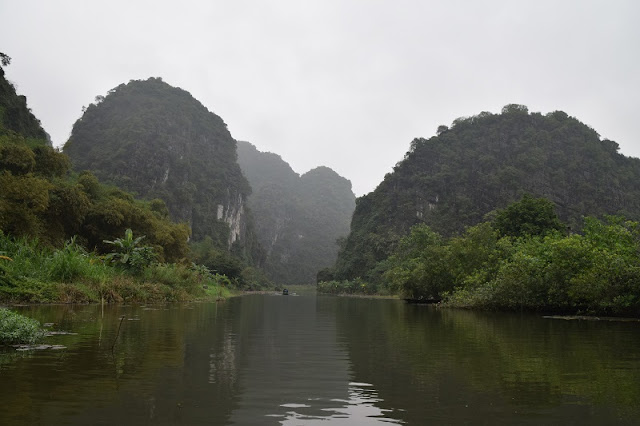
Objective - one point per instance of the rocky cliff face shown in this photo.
(233, 215)
(160, 142)
(298, 218)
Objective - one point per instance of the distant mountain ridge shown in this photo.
(483, 163)
(298, 218)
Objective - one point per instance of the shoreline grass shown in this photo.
(30, 273)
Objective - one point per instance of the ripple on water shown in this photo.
(360, 408)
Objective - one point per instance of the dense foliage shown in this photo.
(482, 163)
(40, 199)
(298, 218)
(161, 143)
(540, 269)
(527, 217)
(54, 227)
(16, 328)
(14, 113)
(32, 272)
(598, 272)
(59, 230)
(128, 252)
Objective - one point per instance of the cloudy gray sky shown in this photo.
(342, 83)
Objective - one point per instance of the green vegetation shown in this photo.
(61, 233)
(529, 216)
(298, 218)
(350, 287)
(486, 162)
(18, 329)
(54, 206)
(40, 199)
(429, 231)
(129, 253)
(520, 262)
(160, 143)
(31, 272)
(14, 114)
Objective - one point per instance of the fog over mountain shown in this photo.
(320, 82)
(298, 218)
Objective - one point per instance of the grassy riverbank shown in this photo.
(33, 273)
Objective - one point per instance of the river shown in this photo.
(272, 359)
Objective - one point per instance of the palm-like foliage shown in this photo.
(129, 253)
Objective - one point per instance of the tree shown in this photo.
(49, 162)
(4, 59)
(527, 217)
(515, 108)
(207, 253)
(17, 159)
(22, 200)
(66, 211)
(419, 266)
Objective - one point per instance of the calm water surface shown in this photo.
(269, 359)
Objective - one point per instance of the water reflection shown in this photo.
(295, 370)
(459, 367)
(305, 360)
(359, 409)
(222, 360)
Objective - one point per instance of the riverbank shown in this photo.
(118, 289)
(95, 282)
(460, 300)
(31, 273)
(596, 272)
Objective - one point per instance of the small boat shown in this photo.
(285, 292)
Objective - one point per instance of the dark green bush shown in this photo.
(16, 328)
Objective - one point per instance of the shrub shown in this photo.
(67, 264)
(16, 328)
(356, 286)
(129, 253)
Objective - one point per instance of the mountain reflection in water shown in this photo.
(269, 360)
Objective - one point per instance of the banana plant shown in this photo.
(129, 253)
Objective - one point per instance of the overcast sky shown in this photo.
(346, 84)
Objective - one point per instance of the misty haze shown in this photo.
(354, 212)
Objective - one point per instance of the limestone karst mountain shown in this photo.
(160, 142)
(298, 218)
(483, 163)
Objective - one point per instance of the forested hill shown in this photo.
(298, 218)
(483, 163)
(159, 142)
(14, 113)
(41, 201)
